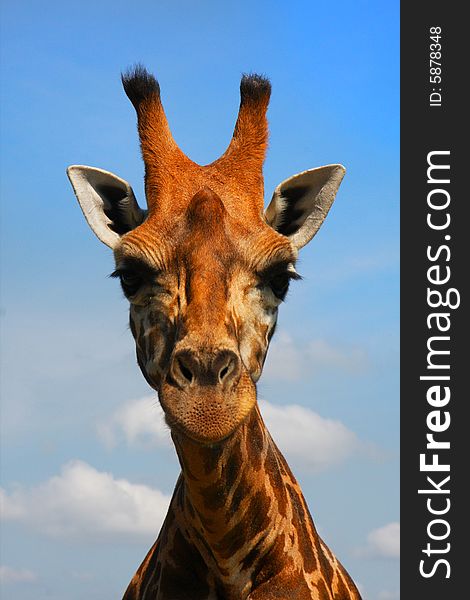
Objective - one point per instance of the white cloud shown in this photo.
(304, 436)
(140, 421)
(389, 595)
(82, 502)
(289, 361)
(307, 438)
(10, 575)
(310, 440)
(284, 360)
(383, 542)
(322, 354)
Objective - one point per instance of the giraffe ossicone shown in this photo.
(205, 269)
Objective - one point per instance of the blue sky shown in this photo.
(80, 428)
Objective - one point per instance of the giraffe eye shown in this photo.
(276, 277)
(130, 281)
(279, 285)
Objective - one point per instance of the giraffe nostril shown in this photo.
(228, 366)
(215, 368)
(185, 370)
(223, 373)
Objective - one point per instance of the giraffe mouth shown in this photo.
(207, 413)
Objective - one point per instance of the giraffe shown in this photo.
(205, 270)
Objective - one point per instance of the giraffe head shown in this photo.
(204, 268)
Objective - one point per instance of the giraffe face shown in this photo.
(204, 293)
(204, 268)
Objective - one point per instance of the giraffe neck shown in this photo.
(242, 506)
(238, 528)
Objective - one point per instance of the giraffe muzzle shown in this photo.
(190, 368)
(206, 394)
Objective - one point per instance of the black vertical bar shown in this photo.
(435, 259)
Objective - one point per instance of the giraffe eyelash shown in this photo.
(277, 278)
(131, 281)
(282, 267)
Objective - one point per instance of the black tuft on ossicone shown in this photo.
(254, 88)
(139, 85)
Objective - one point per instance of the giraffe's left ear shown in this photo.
(300, 204)
(107, 201)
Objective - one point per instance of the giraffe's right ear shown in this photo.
(300, 204)
(107, 201)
